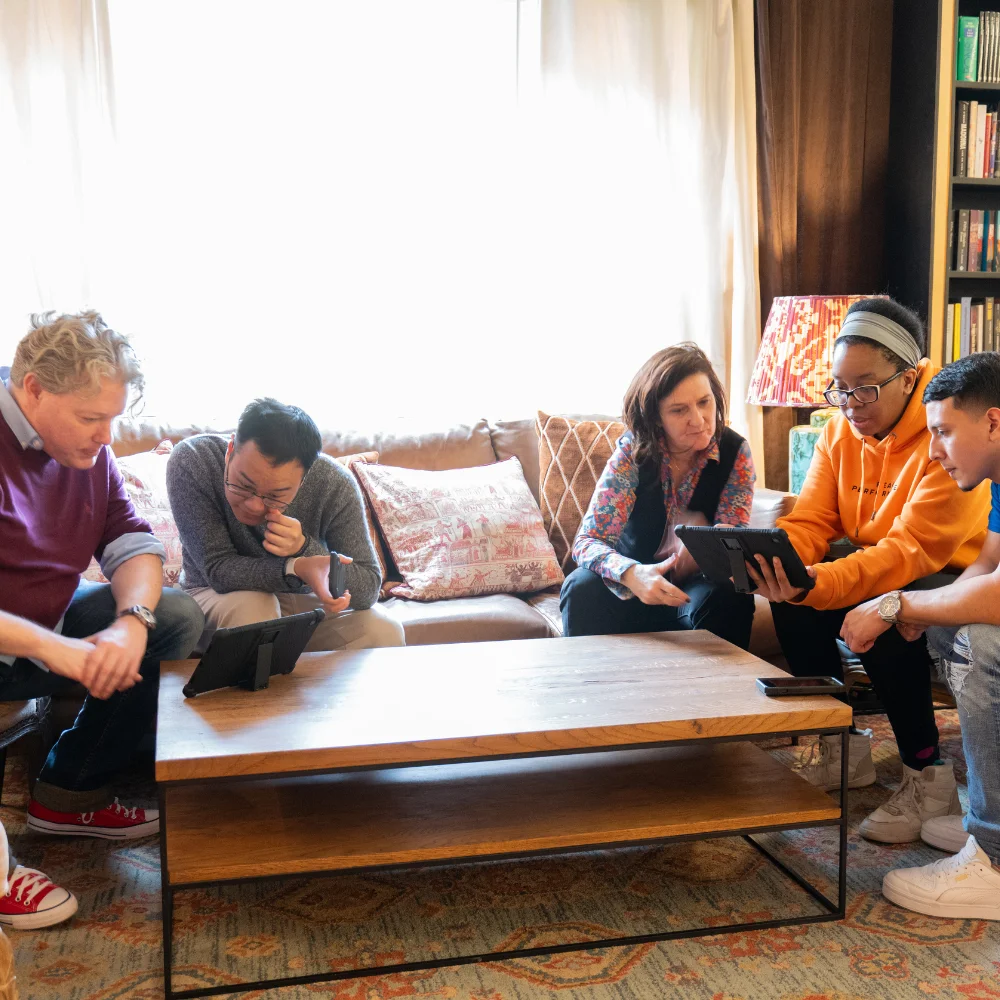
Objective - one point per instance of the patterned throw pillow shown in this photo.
(462, 532)
(571, 457)
(145, 476)
(389, 576)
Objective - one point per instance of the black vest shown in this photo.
(644, 529)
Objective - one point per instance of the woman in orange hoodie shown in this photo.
(872, 480)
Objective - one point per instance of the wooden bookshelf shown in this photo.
(953, 193)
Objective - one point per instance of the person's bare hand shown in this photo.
(772, 582)
(118, 652)
(65, 656)
(648, 584)
(910, 632)
(684, 564)
(315, 571)
(283, 535)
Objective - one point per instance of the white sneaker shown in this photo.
(947, 833)
(922, 795)
(822, 766)
(963, 887)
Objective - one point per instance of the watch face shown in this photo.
(889, 605)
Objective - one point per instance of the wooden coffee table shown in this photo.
(515, 748)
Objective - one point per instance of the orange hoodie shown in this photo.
(888, 497)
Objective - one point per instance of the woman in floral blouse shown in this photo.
(677, 463)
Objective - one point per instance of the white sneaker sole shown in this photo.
(44, 918)
(146, 829)
(932, 908)
(943, 843)
(889, 836)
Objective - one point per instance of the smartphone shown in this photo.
(338, 575)
(778, 687)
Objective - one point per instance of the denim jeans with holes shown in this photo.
(971, 661)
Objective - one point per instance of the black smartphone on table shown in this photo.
(780, 687)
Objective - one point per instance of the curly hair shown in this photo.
(73, 352)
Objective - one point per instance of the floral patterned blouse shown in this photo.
(611, 505)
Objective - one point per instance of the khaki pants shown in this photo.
(348, 630)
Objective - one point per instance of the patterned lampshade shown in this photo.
(796, 350)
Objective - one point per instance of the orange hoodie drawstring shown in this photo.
(881, 475)
(878, 486)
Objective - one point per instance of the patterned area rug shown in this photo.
(111, 949)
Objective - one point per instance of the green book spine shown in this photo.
(968, 47)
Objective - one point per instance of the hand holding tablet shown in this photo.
(732, 554)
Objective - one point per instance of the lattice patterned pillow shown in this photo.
(461, 532)
(571, 457)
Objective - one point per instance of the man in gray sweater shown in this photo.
(259, 515)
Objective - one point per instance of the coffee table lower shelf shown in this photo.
(452, 813)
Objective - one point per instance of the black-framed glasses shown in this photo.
(862, 393)
(245, 493)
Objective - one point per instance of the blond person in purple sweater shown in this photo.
(62, 501)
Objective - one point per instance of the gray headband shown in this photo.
(882, 331)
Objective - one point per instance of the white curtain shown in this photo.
(434, 210)
(56, 156)
(650, 112)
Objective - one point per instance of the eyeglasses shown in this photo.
(861, 393)
(245, 493)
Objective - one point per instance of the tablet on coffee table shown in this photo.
(722, 554)
(248, 655)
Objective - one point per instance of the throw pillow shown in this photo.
(461, 532)
(390, 578)
(571, 457)
(145, 476)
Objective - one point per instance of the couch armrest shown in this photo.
(768, 506)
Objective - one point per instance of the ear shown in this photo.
(910, 381)
(32, 387)
(993, 423)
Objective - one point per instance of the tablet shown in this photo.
(248, 655)
(721, 554)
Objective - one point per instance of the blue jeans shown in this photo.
(589, 608)
(77, 774)
(971, 656)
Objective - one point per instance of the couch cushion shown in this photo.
(467, 619)
(460, 446)
(517, 439)
(546, 603)
(768, 506)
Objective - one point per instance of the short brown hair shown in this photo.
(656, 380)
(72, 353)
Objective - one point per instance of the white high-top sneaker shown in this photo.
(946, 833)
(822, 766)
(922, 795)
(963, 887)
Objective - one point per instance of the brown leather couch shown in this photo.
(470, 619)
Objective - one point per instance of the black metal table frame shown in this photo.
(833, 911)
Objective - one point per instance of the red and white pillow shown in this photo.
(145, 478)
(461, 532)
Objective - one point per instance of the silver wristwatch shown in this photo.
(143, 614)
(890, 606)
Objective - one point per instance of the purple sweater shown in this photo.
(53, 519)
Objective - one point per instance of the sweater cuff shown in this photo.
(823, 593)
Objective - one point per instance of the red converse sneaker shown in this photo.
(113, 822)
(34, 901)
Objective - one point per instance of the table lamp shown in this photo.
(793, 367)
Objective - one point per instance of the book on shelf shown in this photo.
(962, 260)
(968, 48)
(989, 254)
(977, 143)
(971, 325)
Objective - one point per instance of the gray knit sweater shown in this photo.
(222, 553)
